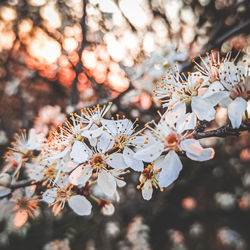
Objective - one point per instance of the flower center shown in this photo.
(239, 90)
(63, 194)
(120, 141)
(172, 141)
(148, 173)
(97, 160)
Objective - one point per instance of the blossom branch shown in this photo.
(222, 132)
(24, 183)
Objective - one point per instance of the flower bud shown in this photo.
(107, 209)
(5, 179)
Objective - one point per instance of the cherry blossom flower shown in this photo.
(169, 139)
(212, 65)
(148, 179)
(25, 205)
(97, 163)
(177, 88)
(121, 135)
(237, 83)
(58, 196)
(22, 149)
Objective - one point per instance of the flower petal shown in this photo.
(186, 122)
(195, 151)
(106, 142)
(49, 195)
(79, 152)
(202, 109)
(150, 153)
(147, 190)
(92, 134)
(235, 111)
(171, 116)
(80, 175)
(80, 205)
(128, 155)
(20, 218)
(171, 170)
(215, 93)
(116, 161)
(106, 182)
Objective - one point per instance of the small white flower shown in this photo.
(176, 88)
(58, 196)
(98, 164)
(238, 86)
(168, 139)
(121, 135)
(148, 180)
(94, 116)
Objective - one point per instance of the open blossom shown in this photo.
(237, 83)
(97, 163)
(22, 148)
(172, 140)
(177, 88)
(121, 135)
(149, 179)
(213, 64)
(58, 196)
(24, 205)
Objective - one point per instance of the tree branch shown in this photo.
(222, 132)
(78, 68)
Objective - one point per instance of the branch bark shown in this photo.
(222, 132)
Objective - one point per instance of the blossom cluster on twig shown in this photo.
(84, 158)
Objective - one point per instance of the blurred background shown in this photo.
(57, 57)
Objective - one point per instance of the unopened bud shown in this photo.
(108, 209)
(5, 180)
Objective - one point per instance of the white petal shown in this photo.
(195, 151)
(202, 109)
(4, 191)
(92, 134)
(30, 190)
(171, 116)
(128, 155)
(159, 163)
(186, 122)
(116, 161)
(80, 175)
(62, 154)
(120, 183)
(235, 111)
(147, 190)
(106, 142)
(106, 182)
(68, 166)
(49, 195)
(150, 153)
(110, 126)
(79, 152)
(225, 102)
(80, 205)
(171, 170)
(215, 93)
(124, 125)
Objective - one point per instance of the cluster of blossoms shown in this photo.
(85, 157)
